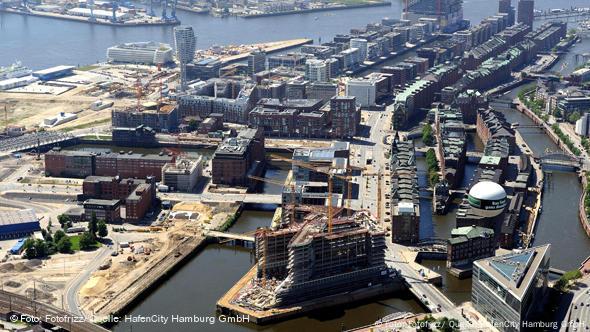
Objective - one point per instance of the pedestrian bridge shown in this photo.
(15, 304)
(229, 236)
(560, 162)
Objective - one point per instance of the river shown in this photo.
(43, 42)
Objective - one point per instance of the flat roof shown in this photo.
(17, 217)
(53, 70)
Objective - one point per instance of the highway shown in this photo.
(579, 311)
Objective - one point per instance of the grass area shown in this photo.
(87, 68)
(76, 243)
(87, 125)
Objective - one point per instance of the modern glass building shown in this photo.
(509, 289)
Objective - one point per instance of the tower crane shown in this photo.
(331, 176)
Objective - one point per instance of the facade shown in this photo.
(140, 136)
(203, 69)
(69, 164)
(345, 117)
(108, 210)
(161, 118)
(183, 174)
(114, 198)
(361, 45)
(131, 165)
(509, 289)
(236, 158)
(505, 7)
(468, 244)
(142, 52)
(18, 223)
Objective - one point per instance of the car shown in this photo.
(575, 307)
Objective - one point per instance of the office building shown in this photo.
(149, 53)
(131, 165)
(509, 289)
(526, 12)
(203, 69)
(237, 158)
(183, 174)
(256, 62)
(185, 43)
(161, 118)
(114, 198)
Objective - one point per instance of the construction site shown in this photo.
(317, 252)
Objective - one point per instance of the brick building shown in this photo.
(236, 158)
(71, 164)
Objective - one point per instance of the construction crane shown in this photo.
(331, 176)
(278, 183)
(115, 6)
(164, 7)
(173, 14)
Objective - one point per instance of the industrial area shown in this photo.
(115, 175)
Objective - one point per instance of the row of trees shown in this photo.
(565, 139)
(427, 135)
(432, 166)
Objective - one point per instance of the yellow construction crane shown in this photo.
(331, 176)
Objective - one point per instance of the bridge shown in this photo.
(30, 141)
(50, 315)
(560, 162)
(253, 198)
(229, 236)
(579, 14)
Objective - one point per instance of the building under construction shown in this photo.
(447, 13)
(311, 259)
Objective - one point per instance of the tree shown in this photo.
(64, 245)
(103, 231)
(58, 235)
(63, 219)
(86, 241)
(427, 136)
(93, 226)
(575, 116)
(192, 125)
(35, 248)
(447, 325)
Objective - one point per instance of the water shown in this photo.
(42, 42)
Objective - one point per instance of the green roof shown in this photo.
(490, 160)
(462, 234)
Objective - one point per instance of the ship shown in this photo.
(15, 70)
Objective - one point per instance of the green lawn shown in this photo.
(76, 243)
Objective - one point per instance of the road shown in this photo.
(73, 287)
(579, 311)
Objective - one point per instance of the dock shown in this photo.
(86, 20)
(226, 307)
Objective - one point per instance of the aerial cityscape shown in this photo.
(287, 166)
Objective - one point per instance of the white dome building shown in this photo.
(488, 197)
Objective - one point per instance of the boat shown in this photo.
(15, 70)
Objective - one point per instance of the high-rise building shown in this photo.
(505, 7)
(526, 12)
(583, 125)
(256, 62)
(185, 43)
